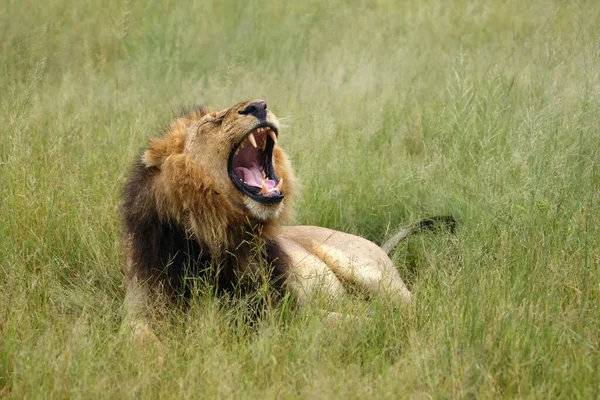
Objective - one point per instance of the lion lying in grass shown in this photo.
(206, 200)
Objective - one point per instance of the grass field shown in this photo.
(393, 111)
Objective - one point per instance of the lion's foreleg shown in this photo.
(140, 310)
(136, 305)
(143, 304)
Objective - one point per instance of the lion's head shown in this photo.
(223, 167)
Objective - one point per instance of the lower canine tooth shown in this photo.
(279, 185)
(263, 190)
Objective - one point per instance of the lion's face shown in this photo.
(237, 147)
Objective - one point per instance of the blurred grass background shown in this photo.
(393, 111)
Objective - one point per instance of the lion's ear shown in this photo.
(160, 149)
(217, 116)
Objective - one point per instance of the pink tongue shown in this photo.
(252, 176)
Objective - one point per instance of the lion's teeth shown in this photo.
(263, 190)
(279, 185)
(272, 135)
(252, 139)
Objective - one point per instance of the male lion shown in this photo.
(206, 200)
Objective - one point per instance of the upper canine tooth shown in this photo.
(272, 135)
(252, 139)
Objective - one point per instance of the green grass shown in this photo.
(393, 111)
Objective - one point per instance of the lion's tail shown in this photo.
(429, 224)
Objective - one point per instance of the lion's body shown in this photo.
(195, 206)
(325, 259)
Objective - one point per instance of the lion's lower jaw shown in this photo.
(264, 212)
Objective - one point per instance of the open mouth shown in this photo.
(251, 166)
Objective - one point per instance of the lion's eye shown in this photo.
(250, 109)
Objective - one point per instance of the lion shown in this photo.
(208, 200)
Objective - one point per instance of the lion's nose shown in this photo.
(257, 108)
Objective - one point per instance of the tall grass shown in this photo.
(392, 111)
